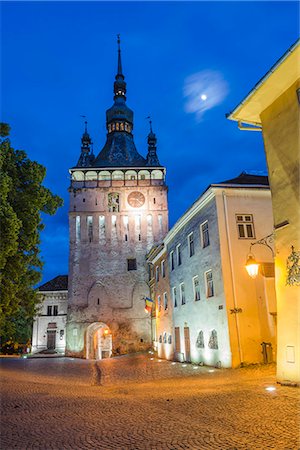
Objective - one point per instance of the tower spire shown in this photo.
(119, 56)
(152, 159)
(119, 84)
(86, 156)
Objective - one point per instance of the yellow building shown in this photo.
(273, 107)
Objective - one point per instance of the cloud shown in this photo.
(203, 91)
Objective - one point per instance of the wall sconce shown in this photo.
(252, 265)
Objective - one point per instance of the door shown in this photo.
(177, 339)
(187, 344)
(51, 335)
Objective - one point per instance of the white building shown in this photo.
(49, 327)
(221, 316)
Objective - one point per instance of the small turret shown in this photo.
(152, 159)
(86, 157)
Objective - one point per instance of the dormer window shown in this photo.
(117, 127)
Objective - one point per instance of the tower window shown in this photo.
(89, 222)
(160, 223)
(77, 228)
(83, 200)
(154, 201)
(131, 264)
(126, 237)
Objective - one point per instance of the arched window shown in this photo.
(200, 340)
(77, 176)
(118, 175)
(91, 175)
(104, 175)
(213, 340)
(144, 175)
(157, 175)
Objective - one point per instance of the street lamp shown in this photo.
(252, 265)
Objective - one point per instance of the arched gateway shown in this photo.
(98, 341)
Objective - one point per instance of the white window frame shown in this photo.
(191, 244)
(204, 245)
(165, 297)
(178, 255)
(174, 296)
(163, 268)
(182, 297)
(157, 274)
(207, 284)
(172, 266)
(194, 289)
(243, 222)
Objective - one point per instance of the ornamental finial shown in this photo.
(150, 123)
(119, 55)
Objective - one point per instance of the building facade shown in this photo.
(159, 284)
(220, 316)
(273, 107)
(49, 326)
(118, 211)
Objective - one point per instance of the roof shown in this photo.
(277, 80)
(59, 283)
(245, 178)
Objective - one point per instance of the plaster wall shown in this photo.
(42, 320)
(164, 320)
(207, 314)
(101, 289)
(280, 124)
(253, 300)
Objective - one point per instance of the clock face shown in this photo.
(136, 199)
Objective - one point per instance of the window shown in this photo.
(160, 223)
(77, 228)
(200, 340)
(113, 202)
(114, 221)
(89, 222)
(178, 254)
(101, 227)
(55, 310)
(170, 339)
(196, 287)
(172, 260)
(174, 293)
(165, 338)
(143, 177)
(209, 284)
(165, 301)
(158, 303)
(191, 244)
(204, 234)
(131, 264)
(49, 310)
(182, 294)
(213, 340)
(149, 220)
(157, 273)
(163, 271)
(245, 226)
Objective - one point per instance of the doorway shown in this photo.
(187, 344)
(51, 339)
(98, 341)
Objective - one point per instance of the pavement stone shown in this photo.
(139, 403)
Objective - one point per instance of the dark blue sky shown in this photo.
(59, 61)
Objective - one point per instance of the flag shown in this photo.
(148, 304)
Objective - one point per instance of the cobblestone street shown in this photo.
(136, 402)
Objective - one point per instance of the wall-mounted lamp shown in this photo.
(252, 265)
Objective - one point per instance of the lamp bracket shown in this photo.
(266, 241)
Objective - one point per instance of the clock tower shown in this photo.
(118, 211)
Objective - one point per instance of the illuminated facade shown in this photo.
(49, 326)
(118, 211)
(273, 107)
(220, 317)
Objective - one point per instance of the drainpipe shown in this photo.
(232, 277)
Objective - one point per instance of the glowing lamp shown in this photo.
(106, 332)
(252, 266)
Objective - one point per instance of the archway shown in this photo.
(98, 341)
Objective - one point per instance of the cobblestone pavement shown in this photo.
(139, 403)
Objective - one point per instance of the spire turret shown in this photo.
(119, 84)
(86, 157)
(152, 159)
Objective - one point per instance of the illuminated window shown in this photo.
(165, 338)
(172, 260)
(204, 234)
(174, 294)
(196, 287)
(160, 223)
(114, 221)
(245, 226)
(165, 301)
(200, 340)
(89, 222)
(149, 219)
(178, 254)
(131, 264)
(182, 293)
(213, 340)
(209, 284)
(191, 244)
(117, 127)
(113, 201)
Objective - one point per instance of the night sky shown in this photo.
(59, 60)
